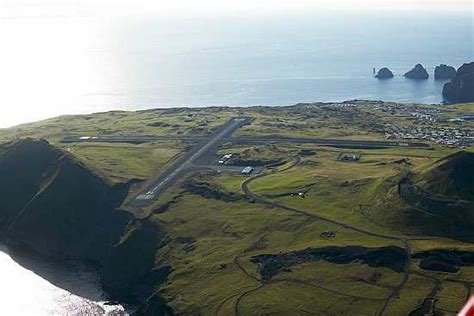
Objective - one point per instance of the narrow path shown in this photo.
(237, 303)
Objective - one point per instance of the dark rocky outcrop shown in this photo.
(390, 257)
(384, 73)
(52, 205)
(210, 191)
(444, 72)
(444, 260)
(461, 87)
(419, 73)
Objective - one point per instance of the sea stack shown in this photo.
(444, 72)
(461, 88)
(384, 73)
(419, 72)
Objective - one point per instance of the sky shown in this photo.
(34, 8)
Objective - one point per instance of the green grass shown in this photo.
(123, 162)
(206, 238)
(220, 231)
(411, 296)
(451, 297)
(288, 298)
(150, 122)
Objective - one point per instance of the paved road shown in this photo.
(200, 156)
(184, 164)
(328, 142)
(133, 139)
(344, 143)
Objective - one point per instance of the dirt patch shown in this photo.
(391, 257)
(444, 260)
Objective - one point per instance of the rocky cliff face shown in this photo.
(384, 73)
(419, 72)
(461, 88)
(444, 72)
(55, 206)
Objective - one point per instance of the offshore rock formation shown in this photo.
(461, 87)
(384, 73)
(419, 73)
(444, 72)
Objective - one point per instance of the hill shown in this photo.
(452, 176)
(55, 206)
(435, 201)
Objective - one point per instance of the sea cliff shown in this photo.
(53, 205)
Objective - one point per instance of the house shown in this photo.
(224, 159)
(349, 157)
(248, 170)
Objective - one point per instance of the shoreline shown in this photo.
(184, 106)
(31, 259)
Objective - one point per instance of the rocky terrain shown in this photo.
(418, 72)
(384, 73)
(461, 88)
(58, 208)
(390, 257)
(444, 72)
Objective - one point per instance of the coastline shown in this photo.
(79, 278)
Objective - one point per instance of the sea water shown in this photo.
(82, 64)
(31, 285)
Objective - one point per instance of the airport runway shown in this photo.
(202, 153)
(185, 163)
(343, 143)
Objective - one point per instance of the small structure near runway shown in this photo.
(224, 159)
(248, 170)
(349, 157)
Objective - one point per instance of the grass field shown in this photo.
(210, 240)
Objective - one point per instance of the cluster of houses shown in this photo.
(409, 111)
(340, 105)
(441, 135)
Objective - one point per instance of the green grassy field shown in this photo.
(210, 241)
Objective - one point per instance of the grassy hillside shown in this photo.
(310, 235)
(52, 204)
(451, 176)
(434, 200)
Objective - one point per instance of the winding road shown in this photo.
(403, 239)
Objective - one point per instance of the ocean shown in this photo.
(55, 65)
(35, 286)
(65, 65)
